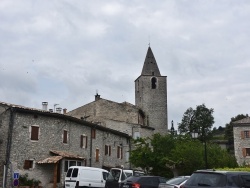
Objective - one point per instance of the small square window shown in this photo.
(28, 164)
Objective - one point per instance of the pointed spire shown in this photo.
(150, 66)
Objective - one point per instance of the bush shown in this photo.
(25, 181)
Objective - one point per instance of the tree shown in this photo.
(168, 155)
(199, 120)
(229, 130)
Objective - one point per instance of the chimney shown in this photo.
(65, 111)
(50, 110)
(59, 110)
(45, 105)
(97, 97)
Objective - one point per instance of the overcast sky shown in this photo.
(63, 52)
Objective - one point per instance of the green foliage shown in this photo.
(244, 169)
(169, 155)
(25, 181)
(199, 120)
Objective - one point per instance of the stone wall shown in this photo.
(105, 109)
(153, 101)
(240, 143)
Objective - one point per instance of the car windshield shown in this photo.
(207, 179)
(176, 181)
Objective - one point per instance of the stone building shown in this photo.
(44, 144)
(146, 117)
(241, 132)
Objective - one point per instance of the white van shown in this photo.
(82, 176)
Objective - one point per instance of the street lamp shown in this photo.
(196, 135)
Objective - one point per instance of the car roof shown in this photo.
(221, 171)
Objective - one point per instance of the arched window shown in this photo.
(153, 83)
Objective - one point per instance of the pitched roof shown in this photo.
(23, 109)
(243, 121)
(59, 156)
(150, 66)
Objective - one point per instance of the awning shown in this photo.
(52, 159)
(67, 154)
(59, 156)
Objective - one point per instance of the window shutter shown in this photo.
(106, 149)
(34, 133)
(81, 141)
(93, 133)
(118, 156)
(109, 150)
(244, 152)
(97, 155)
(86, 141)
(65, 134)
(242, 135)
(26, 164)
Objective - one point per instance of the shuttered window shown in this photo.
(65, 136)
(28, 164)
(34, 133)
(83, 141)
(97, 155)
(245, 134)
(93, 133)
(245, 152)
(119, 152)
(107, 150)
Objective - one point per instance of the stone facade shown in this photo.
(17, 147)
(123, 117)
(151, 94)
(241, 132)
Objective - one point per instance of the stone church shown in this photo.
(149, 115)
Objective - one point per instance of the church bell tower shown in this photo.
(151, 94)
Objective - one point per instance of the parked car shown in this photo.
(129, 173)
(115, 177)
(176, 182)
(222, 179)
(82, 176)
(142, 182)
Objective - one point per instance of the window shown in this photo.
(153, 83)
(28, 164)
(136, 135)
(93, 133)
(65, 136)
(97, 155)
(34, 133)
(246, 152)
(245, 134)
(83, 141)
(69, 163)
(119, 152)
(107, 150)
